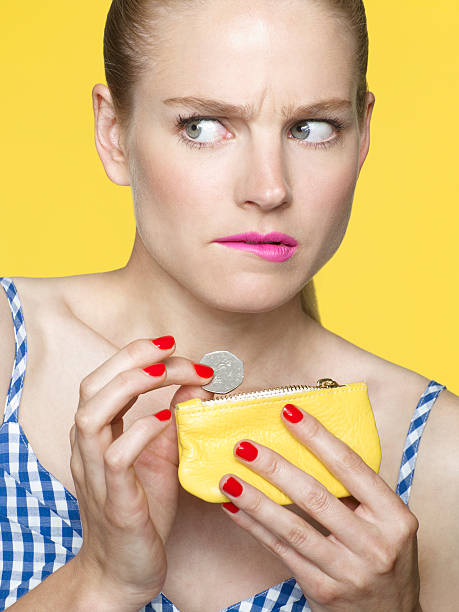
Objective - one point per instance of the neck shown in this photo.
(143, 301)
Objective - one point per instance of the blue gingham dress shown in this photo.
(40, 521)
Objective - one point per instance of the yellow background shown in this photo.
(392, 287)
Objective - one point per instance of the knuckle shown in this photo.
(75, 466)
(272, 468)
(255, 504)
(298, 536)
(126, 379)
(279, 548)
(113, 460)
(138, 351)
(313, 428)
(318, 500)
(87, 388)
(325, 593)
(351, 460)
(409, 526)
(145, 426)
(384, 559)
(128, 384)
(84, 422)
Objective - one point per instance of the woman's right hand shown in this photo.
(126, 519)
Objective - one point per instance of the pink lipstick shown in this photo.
(274, 246)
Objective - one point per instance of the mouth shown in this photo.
(274, 238)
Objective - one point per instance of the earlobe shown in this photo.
(107, 135)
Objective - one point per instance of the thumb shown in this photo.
(187, 392)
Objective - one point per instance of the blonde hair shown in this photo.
(130, 49)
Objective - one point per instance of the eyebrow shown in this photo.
(246, 111)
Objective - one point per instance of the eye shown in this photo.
(316, 133)
(206, 130)
(313, 131)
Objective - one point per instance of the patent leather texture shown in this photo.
(207, 435)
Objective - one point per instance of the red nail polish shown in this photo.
(164, 342)
(163, 415)
(233, 487)
(231, 507)
(203, 370)
(157, 369)
(291, 413)
(247, 451)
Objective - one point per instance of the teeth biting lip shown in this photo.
(255, 238)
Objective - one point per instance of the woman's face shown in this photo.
(277, 169)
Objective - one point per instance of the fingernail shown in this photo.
(203, 370)
(157, 369)
(233, 487)
(247, 451)
(164, 342)
(291, 413)
(163, 415)
(231, 507)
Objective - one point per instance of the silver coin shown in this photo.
(229, 371)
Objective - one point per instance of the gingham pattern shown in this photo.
(410, 450)
(40, 521)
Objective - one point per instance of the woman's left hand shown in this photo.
(368, 562)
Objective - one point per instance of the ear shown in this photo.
(365, 136)
(108, 136)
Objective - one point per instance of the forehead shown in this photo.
(240, 52)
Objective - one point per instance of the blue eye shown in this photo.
(314, 132)
(200, 126)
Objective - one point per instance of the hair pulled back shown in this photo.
(135, 30)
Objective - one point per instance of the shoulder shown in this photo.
(394, 394)
(45, 304)
(435, 503)
(33, 293)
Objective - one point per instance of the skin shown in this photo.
(257, 178)
(178, 282)
(253, 175)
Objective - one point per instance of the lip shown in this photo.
(285, 239)
(271, 252)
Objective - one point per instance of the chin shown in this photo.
(248, 302)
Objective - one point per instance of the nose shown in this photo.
(264, 179)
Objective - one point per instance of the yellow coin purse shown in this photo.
(207, 432)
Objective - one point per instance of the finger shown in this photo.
(93, 419)
(292, 531)
(308, 494)
(137, 354)
(121, 481)
(271, 542)
(76, 463)
(127, 385)
(348, 467)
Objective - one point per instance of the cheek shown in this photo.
(173, 195)
(327, 196)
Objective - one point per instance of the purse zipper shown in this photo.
(322, 383)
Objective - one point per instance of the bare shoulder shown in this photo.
(434, 499)
(435, 503)
(48, 321)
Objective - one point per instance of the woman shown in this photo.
(105, 524)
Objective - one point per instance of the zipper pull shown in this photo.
(327, 383)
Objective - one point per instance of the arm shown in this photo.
(69, 588)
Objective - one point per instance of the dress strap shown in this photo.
(20, 359)
(410, 451)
